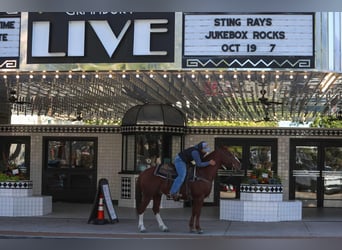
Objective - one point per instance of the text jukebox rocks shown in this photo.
(236, 35)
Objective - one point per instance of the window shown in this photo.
(70, 154)
(145, 150)
(14, 156)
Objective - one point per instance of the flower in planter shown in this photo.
(12, 173)
(262, 174)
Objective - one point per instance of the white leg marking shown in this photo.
(161, 224)
(141, 226)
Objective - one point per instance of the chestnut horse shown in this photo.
(150, 186)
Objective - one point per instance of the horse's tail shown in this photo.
(138, 194)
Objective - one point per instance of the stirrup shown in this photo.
(175, 197)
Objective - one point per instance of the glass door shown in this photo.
(316, 172)
(332, 176)
(69, 172)
(306, 174)
(253, 154)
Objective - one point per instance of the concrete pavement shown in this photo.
(70, 221)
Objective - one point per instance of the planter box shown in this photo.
(16, 188)
(16, 199)
(260, 202)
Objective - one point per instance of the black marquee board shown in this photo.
(103, 188)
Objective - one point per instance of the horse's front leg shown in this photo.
(196, 214)
(156, 211)
(191, 222)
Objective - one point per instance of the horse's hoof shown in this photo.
(142, 229)
(196, 231)
(164, 228)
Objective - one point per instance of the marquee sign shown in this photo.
(9, 40)
(100, 37)
(248, 40)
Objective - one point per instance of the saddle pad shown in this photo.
(166, 170)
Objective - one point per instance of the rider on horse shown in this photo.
(195, 153)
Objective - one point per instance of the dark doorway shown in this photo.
(70, 169)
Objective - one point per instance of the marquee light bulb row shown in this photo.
(151, 75)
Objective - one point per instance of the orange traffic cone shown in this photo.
(100, 220)
(100, 210)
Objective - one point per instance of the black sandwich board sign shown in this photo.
(103, 188)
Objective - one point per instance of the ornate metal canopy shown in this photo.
(201, 95)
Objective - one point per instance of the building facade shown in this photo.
(42, 53)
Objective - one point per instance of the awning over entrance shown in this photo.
(202, 95)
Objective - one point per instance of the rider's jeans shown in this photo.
(181, 171)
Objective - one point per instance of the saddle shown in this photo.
(168, 171)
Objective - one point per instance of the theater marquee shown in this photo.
(248, 40)
(9, 40)
(100, 37)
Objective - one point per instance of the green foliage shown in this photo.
(5, 177)
(326, 122)
(233, 123)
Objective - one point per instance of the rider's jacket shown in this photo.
(186, 155)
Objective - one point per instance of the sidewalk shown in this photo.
(70, 221)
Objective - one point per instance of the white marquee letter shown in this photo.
(105, 33)
(40, 40)
(76, 38)
(142, 36)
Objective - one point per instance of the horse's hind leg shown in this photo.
(156, 211)
(141, 210)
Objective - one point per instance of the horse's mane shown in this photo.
(210, 155)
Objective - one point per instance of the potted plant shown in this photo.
(13, 179)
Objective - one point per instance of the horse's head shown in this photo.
(227, 158)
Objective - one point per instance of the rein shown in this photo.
(198, 178)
